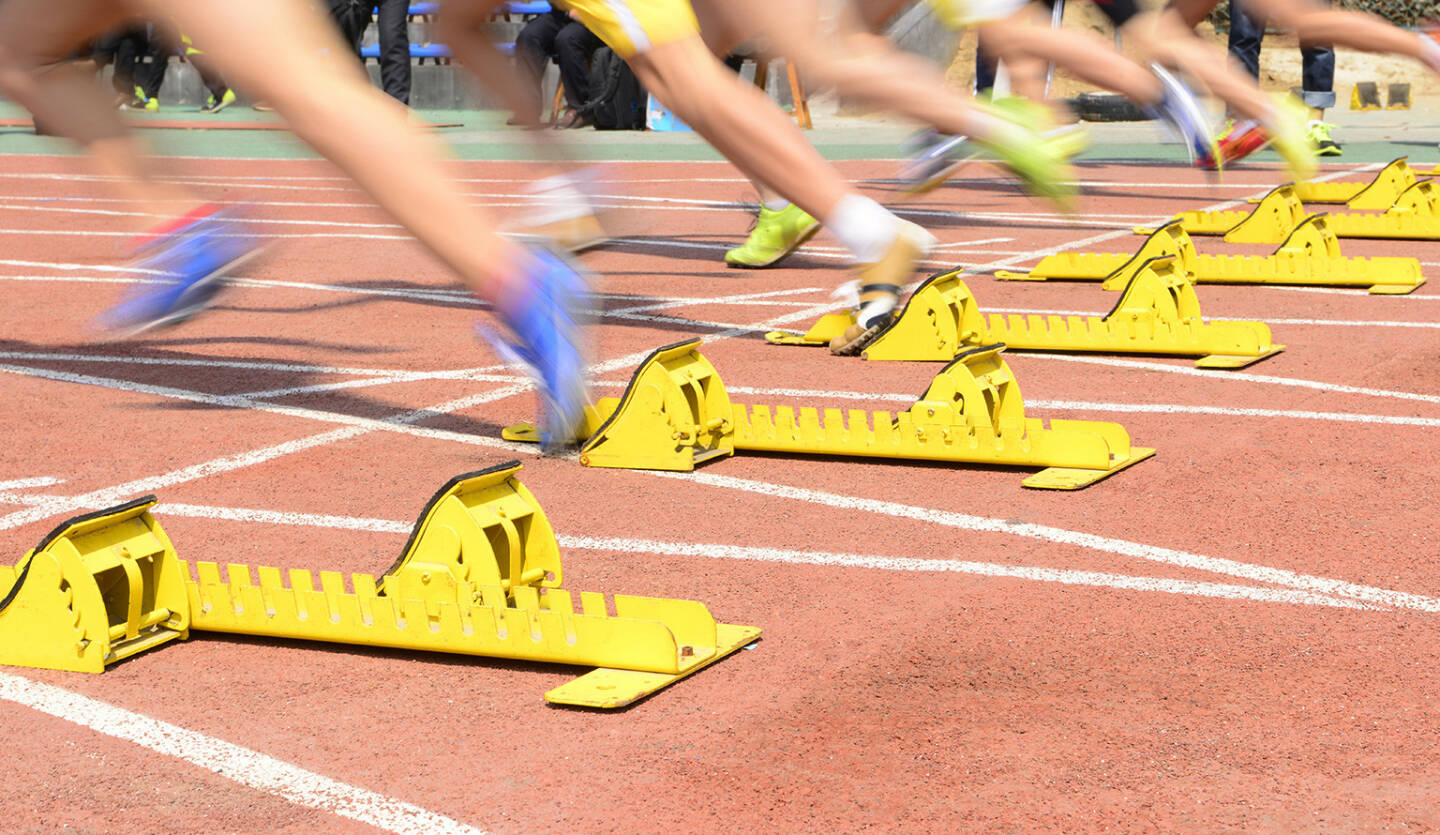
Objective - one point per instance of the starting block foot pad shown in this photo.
(611, 688)
(101, 587)
(971, 413)
(479, 576)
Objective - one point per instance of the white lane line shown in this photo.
(984, 569)
(737, 298)
(231, 401)
(1343, 323)
(232, 179)
(810, 396)
(1232, 411)
(242, 765)
(281, 367)
(1109, 545)
(28, 483)
(356, 427)
(778, 555)
(261, 455)
(1237, 376)
(251, 458)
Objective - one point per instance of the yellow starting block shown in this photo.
(676, 414)
(99, 588)
(1378, 195)
(1158, 313)
(1310, 256)
(1414, 216)
(480, 576)
(1276, 211)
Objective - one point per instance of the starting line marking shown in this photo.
(233, 762)
(1062, 576)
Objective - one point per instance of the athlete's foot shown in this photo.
(1067, 140)
(564, 213)
(215, 105)
(879, 287)
(1040, 162)
(1238, 141)
(546, 322)
(183, 266)
(932, 159)
(777, 233)
(1179, 107)
(1318, 133)
(1288, 136)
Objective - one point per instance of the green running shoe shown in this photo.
(1041, 162)
(1289, 136)
(776, 235)
(1319, 135)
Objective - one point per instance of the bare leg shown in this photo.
(741, 122)
(1026, 45)
(855, 61)
(1321, 24)
(355, 125)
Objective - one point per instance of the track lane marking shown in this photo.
(236, 763)
(1048, 533)
(779, 555)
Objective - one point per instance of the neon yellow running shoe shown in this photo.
(1041, 162)
(1319, 135)
(1289, 136)
(776, 235)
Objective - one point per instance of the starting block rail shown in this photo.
(480, 575)
(1415, 215)
(1310, 256)
(676, 414)
(1158, 313)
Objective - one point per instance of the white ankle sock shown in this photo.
(779, 204)
(864, 227)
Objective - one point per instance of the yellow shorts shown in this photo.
(631, 27)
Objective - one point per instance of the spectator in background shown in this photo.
(354, 17)
(1317, 74)
(221, 96)
(556, 33)
(136, 80)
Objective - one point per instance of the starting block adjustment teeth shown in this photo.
(971, 413)
(455, 589)
(479, 576)
(99, 588)
(1158, 313)
(1309, 257)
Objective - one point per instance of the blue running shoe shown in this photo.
(550, 345)
(185, 267)
(1183, 112)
